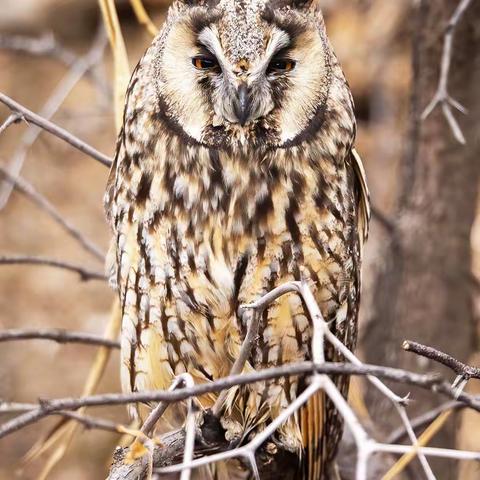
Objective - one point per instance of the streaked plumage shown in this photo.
(228, 181)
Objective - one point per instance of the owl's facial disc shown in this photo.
(241, 89)
(243, 76)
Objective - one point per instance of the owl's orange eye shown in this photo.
(281, 65)
(204, 63)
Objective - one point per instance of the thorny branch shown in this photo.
(460, 368)
(429, 382)
(85, 275)
(320, 381)
(11, 119)
(424, 420)
(442, 98)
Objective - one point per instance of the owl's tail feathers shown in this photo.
(312, 422)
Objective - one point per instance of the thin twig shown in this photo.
(11, 119)
(54, 129)
(242, 358)
(27, 189)
(461, 369)
(189, 429)
(425, 419)
(57, 335)
(383, 220)
(94, 423)
(85, 275)
(42, 120)
(47, 46)
(16, 407)
(159, 410)
(442, 98)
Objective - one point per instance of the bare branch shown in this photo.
(383, 220)
(55, 130)
(189, 430)
(11, 119)
(461, 369)
(442, 97)
(159, 410)
(94, 423)
(424, 420)
(85, 275)
(38, 199)
(38, 46)
(16, 407)
(42, 120)
(57, 335)
(242, 358)
(429, 382)
(47, 46)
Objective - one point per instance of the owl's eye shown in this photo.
(202, 62)
(281, 65)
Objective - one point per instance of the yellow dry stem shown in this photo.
(143, 18)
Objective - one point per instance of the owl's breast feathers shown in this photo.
(199, 231)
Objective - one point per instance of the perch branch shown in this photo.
(429, 382)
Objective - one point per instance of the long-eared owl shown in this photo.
(235, 173)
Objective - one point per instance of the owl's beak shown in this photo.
(242, 104)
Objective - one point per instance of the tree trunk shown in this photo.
(423, 291)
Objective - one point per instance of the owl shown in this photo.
(235, 173)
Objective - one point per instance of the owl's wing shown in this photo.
(319, 420)
(364, 212)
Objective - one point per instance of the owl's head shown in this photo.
(246, 71)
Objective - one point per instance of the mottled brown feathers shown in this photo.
(208, 214)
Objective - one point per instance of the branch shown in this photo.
(237, 367)
(51, 106)
(460, 368)
(55, 130)
(47, 46)
(159, 410)
(85, 275)
(57, 335)
(383, 220)
(424, 420)
(16, 407)
(442, 98)
(47, 407)
(11, 119)
(38, 199)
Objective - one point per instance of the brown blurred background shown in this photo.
(372, 38)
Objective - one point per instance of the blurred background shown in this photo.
(423, 255)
